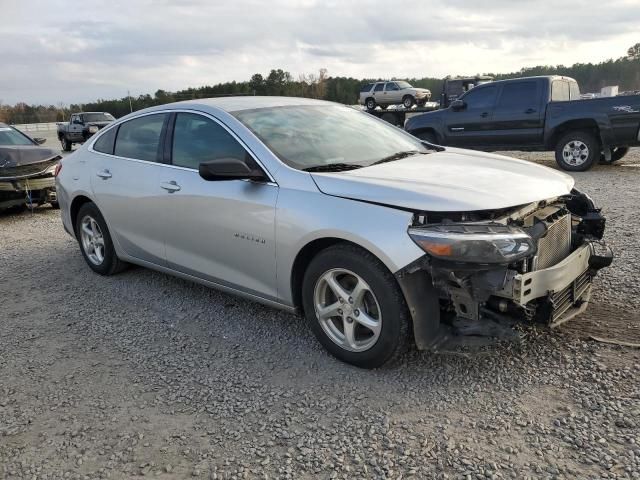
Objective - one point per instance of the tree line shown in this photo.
(624, 72)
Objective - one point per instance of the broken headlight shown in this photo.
(474, 243)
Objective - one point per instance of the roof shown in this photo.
(234, 104)
(536, 77)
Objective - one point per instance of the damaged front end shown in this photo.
(531, 263)
(27, 176)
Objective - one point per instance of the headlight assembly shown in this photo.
(474, 243)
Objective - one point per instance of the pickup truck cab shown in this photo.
(81, 126)
(536, 113)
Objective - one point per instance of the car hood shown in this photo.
(25, 160)
(453, 180)
(424, 90)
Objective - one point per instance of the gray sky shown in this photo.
(59, 51)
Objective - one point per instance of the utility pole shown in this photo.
(130, 106)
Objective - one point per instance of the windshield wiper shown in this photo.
(332, 167)
(397, 156)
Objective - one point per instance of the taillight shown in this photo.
(57, 170)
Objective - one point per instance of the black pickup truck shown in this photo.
(81, 126)
(536, 113)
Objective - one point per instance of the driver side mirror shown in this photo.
(458, 105)
(228, 169)
(39, 140)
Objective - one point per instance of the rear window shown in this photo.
(366, 88)
(140, 138)
(519, 94)
(574, 91)
(559, 91)
(379, 87)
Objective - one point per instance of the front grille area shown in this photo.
(556, 244)
(570, 296)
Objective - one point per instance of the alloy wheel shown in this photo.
(92, 240)
(575, 152)
(347, 310)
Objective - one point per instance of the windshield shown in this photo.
(98, 117)
(306, 137)
(403, 85)
(10, 136)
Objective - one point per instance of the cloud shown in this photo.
(54, 53)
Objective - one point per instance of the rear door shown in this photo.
(518, 118)
(378, 93)
(125, 177)
(472, 125)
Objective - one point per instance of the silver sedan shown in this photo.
(377, 238)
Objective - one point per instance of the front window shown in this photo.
(10, 136)
(197, 139)
(484, 97)
(306, 137)
(391, 86)
(98, 117)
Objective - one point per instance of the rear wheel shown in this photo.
(95, 241)
(616, 154)
(577, 151)
(371, 104)
(66, 144)
(355, 307)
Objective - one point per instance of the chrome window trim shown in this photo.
(182, 110)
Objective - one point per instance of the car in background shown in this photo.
(376, 237)
(82, 126)
(536, 113)
(397, 92)
(26, 170)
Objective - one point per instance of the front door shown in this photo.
(471, 125)
(126, 184)
(220, 231)
(392, 93)
(518, 116)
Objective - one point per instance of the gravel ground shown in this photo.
(145, 374)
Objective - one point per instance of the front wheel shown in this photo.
(408, 101)
(577, 151)
(95, 241)
(428, 137)
(355, 307)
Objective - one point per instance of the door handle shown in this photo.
(484, 114)
(457, 129)
(104, 174)
(171, 186)
(530, 110)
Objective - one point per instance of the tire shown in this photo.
(428, 136)
(383, 306)
(408, 101)
(569, 148)
(55, 205)
(66, 144)
(370, 103)
(108, 262)
(616, 154)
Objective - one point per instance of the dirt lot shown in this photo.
(145, 374)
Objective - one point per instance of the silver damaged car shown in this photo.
(377, 238)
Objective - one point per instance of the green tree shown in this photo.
(634, 52)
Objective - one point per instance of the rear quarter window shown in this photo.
(106, 142)
(367, 87)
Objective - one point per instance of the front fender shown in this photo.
(303, 217)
